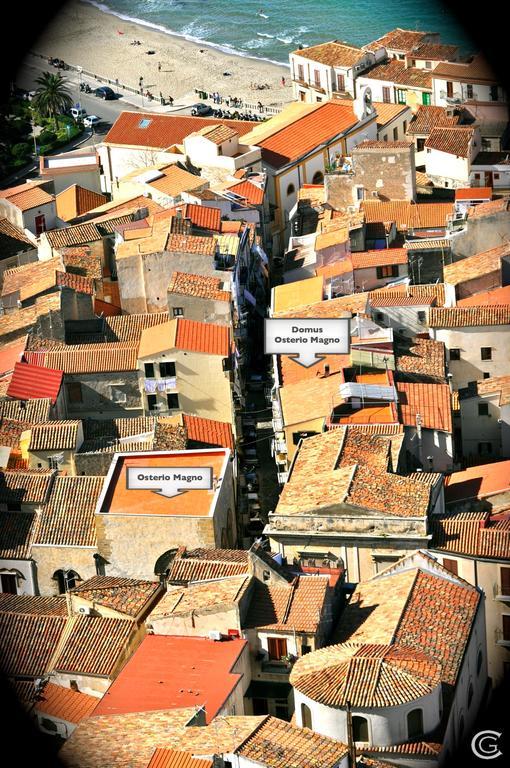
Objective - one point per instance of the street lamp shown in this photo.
(33, 136)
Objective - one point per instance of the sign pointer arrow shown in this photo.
(307, 358)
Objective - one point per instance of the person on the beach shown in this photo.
(283, 81)
(159, 66)
(170, 101)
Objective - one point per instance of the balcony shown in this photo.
(162, 384)
(300, 82)
(275, 667)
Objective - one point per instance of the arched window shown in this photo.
(415, 724)
(291, 189)
(359, 728)
(66, 580)
(318, 177)
(479, 661)
(306, 716)
(470, 695)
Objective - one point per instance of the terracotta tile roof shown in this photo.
(431, 401)
(169, 435)
(433, 51)
(163, 131)
(189, 568)
(365, 675)
(10, 434)
(388, 112)
(296, 608)
(335, 269)
(31, 279)
(129, 205)
(176, 180)
(208, 431)
(130, 327)
(476, 266)
(208, 338)
(379, 258)
(76, 200)
(428, 244)
(290, 373)
(453, 141)
(93, 645)
(395, 71)
(388, 493)
(469, 317)
(487, 298)
(201, 286)
(16, 533)
(64, 703)
(489, 209)
(402, 40)
(218, 133)
(253, 194)
(425, 357)
(26, 411)
(473, 534)
(121, 428)
(478, 482)
(201, 216)
(334, 53)
(407, 215)
(475, 71)
(408, 748)
(33, 605)
(26, 196)
(13, 239)
(218, 555)
(427, 118)
(191, 244)
(408, 295)
(58, 435)
(75, 282)
(309, 399)
(474, 193)
(495, 385)
(128, 741)
(87, 358)
(10, 354)
(385, 145)
(26, 487)
(18, 323)
(277, 743)
(129, 596)
(307, 133)
(171, 758)
(27, 643)
(218, 595)
(355, 302)
(30, 381)
(67, 519)
(80, 234)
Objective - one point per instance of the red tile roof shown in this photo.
(201, 215)
(33, 605)
(307, 133)
(172, 758)
(475, 534)
(473, 193)
(487, 298)
(378, 258)
(489, 209)
(406, 214)
(76, 200)
(28, 642)
(297, 607)
(26, 196)
(64, 703)
(32, 382)
(171, 672)
(478, 482)
(87, 358)
(402, 40)
(94, 645)
(75, 282)
(395, 71)
(10, 354)
(67, 519)
(454, 141)
(16, 532)
(201, 286)
(208, 431)
(475, 71)
(431, 401)
(208, 338)
(128, 596)
(478, 265)
(163, 131)
(253, 194)
(469, 317)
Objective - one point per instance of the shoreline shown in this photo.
(177, 66)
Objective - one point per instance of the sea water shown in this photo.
(270, 29)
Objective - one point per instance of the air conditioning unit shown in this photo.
(214, 634)
(85, 610)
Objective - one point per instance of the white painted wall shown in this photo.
(25, 572)
(470, 341)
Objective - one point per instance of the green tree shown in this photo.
(52, 97)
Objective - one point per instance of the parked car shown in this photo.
(104, 92)
(78, 113)
(201, 110)
(91, 121)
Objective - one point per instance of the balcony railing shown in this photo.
(275, 667)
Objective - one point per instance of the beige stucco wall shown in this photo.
(470, 340)
(40, 460)
(50, 559)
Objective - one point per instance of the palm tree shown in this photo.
(52, 97)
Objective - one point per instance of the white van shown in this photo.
(78, 114)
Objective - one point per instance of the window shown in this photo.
(469, 91)
(305, 649)
(479, 662)
(66, 580)
(306, 716)
(494, 92)
(477, 176)
(451, 565)
(152, 402)
(449, 89)
(428, 65)
(454, 354)
(360, 193)
(359, 728)
(149, 370)
(506, 627)
(422, 317)
(172, 401)
(401, 96)
(484, 449)
(340, 82)
(40, 224)
(386, 94)
(291, 189)
(470, 695)
(318, 177)
(178, 311)
(266, 575)
(404, 126)
(505, 580)
(74, 392)
(317, 78)
(486, 375)
(415, 724)
(300, 72)
(277, 647)
(167, 369)
(8, 583)
(395, 134)
(496, 175)
(389, 270)
(420, 145)
(486, 353)
(483, 409)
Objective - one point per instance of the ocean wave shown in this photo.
(224, 48)
(285, 40)
(264, 34)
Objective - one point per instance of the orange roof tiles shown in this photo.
(476, 266)
(87, 358)
(424, 357)
(31, 279)
(431, 401)
(407, 215)
(34, 605)
(489, 209)
(176, 180)
(385, 145)
(58, 435)
(401, 40)
(94, 645)
(388, 112)
(335, 269)
(129, 596)
(16, 532)
(474, 193)
(75, 282)
(28, 642)
(475, 71)
(64, 703)
(208, 431)
(253, 194)
(433, 51)
(218, 133)
(408, 295)
(307, 133)
(469, 317)
(334, 53)
(26, 196)
(297, 607)
(10, 354)
(172, 758)
(454, 141)
(200, 286)
(292, 373)
(67, 518)
(378, 258)
(196, 672)
(31, 381)
(474, 534)
(76, 200)
(207, 338)
(162, 131)
(201, 216)
(191, 244)
(478, 482)
(499, 385)
(395, 71)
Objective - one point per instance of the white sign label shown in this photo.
(306, 338)
(169, 481)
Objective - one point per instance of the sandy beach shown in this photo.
(101, 43)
